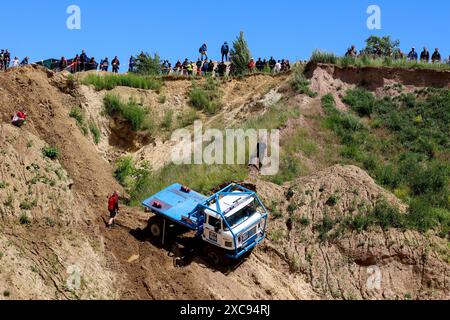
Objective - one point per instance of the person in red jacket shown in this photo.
(113, 208)
(19, 119)
(251, 66)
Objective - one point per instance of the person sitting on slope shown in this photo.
(19, 119)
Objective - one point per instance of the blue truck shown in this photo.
(231, 223)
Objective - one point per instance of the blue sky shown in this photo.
(176, 28)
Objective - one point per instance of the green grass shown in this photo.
(50, 152)
(24, 220)
(405, 147)
(319, 56)
(187, 118)
(167, 121)
(207, 97)
(3, 184)
(301, 85)
(109, 82)
(131, 111)
(95, 131)
(78, 114)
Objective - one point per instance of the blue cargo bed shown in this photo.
(177, 205)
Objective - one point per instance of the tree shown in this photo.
(382, 46)
(240, 55)
(148, 65)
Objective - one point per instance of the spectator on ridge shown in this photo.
(211, 67)
(251, 65)
(436, 57)
(272, 63)
(62, 64)
(351, 52)
(131, 64)
(412, 55)
(205, 67)
(75, 64)
(425, 55)
(277, 68)
(25, 61)
(199, 66)
(225, 50)
(178, 67)
(83, 60)
(115, 65)
(203, 51)
(260, 65)
(6, 59)
(185, 67)
(104, 64)
(15, 62)
(222, 69)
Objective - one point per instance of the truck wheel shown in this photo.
(156, 229)
(214, 256)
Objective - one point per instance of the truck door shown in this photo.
(213, 228)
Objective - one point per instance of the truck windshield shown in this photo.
(240, 217)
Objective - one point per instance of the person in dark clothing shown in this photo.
(25, 61)
(185, 67)
(436, 57)
(222, 69)
(178, 67)
(351, 52)
(104, 64)
(115, 65)
(91, 65)
(75, 64)
(425, 55)
(6, 59)
(211, 67)
(199, 66)
(260, 65)
(84, 60)
(412, 55)
(272, 63)
(62, 64)
(131, 64)
(203, 51)
(225, 50)
(113, 208)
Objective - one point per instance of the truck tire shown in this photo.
(156, 228)
(215, 256)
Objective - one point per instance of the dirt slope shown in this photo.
(66, 208)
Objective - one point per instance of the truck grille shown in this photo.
(249, 234)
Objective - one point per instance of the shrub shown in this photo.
(50, 152)
(168, 120)
(109, 82)
(301, 85)
(187, 118)
(240, 55)
(206, 98)
(148, 65)
(361, 101)
(323, 57)
(24, 220)
(131, 111)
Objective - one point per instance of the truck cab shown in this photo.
(241, 223)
